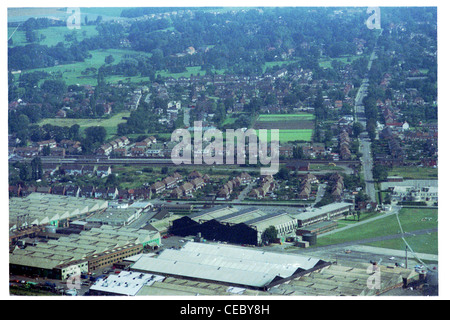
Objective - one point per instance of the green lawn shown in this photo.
(109, 124)
(72, 73)
(286, 135)
(271, 64)
(194, 71)
(326, 62)
(285, 117)
(410, 218)
(415, 172)
(53, 35)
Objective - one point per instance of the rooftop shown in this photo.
(226, 264)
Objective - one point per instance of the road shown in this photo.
(367, 164)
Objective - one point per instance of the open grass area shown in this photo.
(414, 172)
(110, 124)
(326, 62)
(271, 64)
(194, 71)
(52, 35)
(411, 219)
(286, 117)
(289, 135)
(72, 73)
(427, 243)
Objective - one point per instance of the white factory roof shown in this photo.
(125, 283)
(225, 263)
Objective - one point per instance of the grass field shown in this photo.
(326, 62)
(415, 172)
(194, 71)
(291, 127)
(109, 124)
(53, 35)
(286, 117)
(271, 64)
(290, 135)
(411, 219)
(72, 73)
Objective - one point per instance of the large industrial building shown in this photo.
(244, 226)
(39, 209)
(83, 252)
(327, 212)
(228, 264)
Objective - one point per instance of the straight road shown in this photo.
(367, 164)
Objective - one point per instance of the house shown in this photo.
(176, 193)
(86, 192)
(72, 169)
(105, 149)
(112, 193)
(100, 193)
(187, 189)
(103, 171)
(26, 191)
(49, 169)
(198, 183)
(72, 191)
(169, 182)
(297, 165)
(14, 191)
(158, 187)
(286, 151)
(59, 190)
(47, 143)
(87, 170)
(194, 174)
(123, 194)
(44, 189)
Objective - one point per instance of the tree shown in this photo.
(36, 168)
(109, 59)
(380, 172)
(270, 235)
(357, 129)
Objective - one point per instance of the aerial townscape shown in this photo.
(342, 100)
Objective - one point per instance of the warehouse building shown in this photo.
(240, 226)
(83, 252)
(126, 283)
(39, 209)
(230, 265)
(115, 216)
(327, 212)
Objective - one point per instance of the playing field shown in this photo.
(286, 117)
(109, 124)
(292, 127)
(289, 135)
(411, 219)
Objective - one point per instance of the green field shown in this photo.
(411, 219)
(72, 73)
(109, 124)
(190, 71)
(286, 117)
(290, 135)
(326, 62)
(271, 64)
(53, 35)
(415, 172)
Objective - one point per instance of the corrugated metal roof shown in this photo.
(225, 263)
